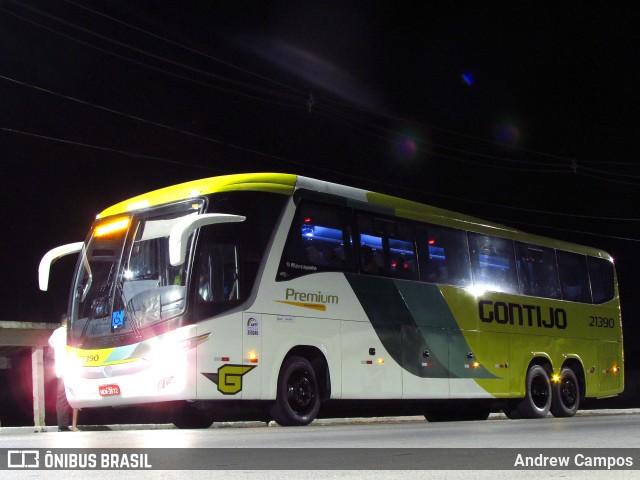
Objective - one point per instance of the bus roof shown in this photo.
(265, 182)
(287, 183)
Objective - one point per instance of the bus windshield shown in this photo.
(124, 281)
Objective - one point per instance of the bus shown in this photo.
(283, 294)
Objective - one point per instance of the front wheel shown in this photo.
(297, 398)
(537, 400)
(566, 394)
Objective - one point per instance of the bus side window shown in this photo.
(318, 241)
(537, 271)
(386, 247)
(602, 279)
(444, 255)
(403, 253)
(574, 277)
(493, 263)
(217, 274)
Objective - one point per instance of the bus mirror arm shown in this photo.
(185, 227)
(50, 257)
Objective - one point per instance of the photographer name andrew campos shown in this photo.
(578, 460)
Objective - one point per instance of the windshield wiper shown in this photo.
(130, 312)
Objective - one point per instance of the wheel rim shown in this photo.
(540, 392)
(300, 392)
(568, 392)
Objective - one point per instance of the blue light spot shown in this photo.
(468, 79)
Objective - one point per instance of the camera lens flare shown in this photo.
(408, 145)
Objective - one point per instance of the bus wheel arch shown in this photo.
(303, 383)
(568, 390)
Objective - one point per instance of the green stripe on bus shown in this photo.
(415, 325)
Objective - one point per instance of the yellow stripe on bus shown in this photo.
(313, 306)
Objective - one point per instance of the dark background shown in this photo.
(518, 112)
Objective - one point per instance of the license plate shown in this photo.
(109, 390)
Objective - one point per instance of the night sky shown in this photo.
(523, 113)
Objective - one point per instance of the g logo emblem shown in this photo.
(230, 378)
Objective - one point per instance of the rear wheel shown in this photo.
(566, 394)
(298, 397)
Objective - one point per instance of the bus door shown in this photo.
(216, 293)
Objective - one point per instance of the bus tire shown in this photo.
(566, 394)
(298, 397)
(537, 400)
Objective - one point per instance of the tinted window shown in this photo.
(262, 210)
(386, 247)
(318, 241)
(602, 279)
(493, 263)
(443, 254)
(574, 277)
(537, 271)
(218, 273)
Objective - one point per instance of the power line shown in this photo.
(192, 50)
(606, 162)
(458, 150)
(116, 112)
(299, 101)
(155, 158)
(547, 227)
(281, 159)
(578, 168)
(249, 72)
(311, 100)
(604, 172)
(611, 180)
(110, 149)
(138, 50)
(449, 131)
(560, 168)
(218, 77)
(151, 157)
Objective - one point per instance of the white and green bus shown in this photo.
(280, 294)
